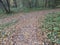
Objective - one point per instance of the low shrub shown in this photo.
(51, 26)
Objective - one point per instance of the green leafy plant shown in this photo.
(51, 26)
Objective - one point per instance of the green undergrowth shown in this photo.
(16, 10)
(51, 26)
(19, 10)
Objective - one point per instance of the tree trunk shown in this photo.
(3, 6)
(15, 3)
(36, 3)
(8, 4)
(45, 3)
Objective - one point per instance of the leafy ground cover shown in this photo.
(5, 31)
(52, 26)
(26, 29)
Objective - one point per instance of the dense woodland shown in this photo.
(7, 5)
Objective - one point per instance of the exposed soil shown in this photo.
(27, 31)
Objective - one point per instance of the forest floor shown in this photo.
(25, 31)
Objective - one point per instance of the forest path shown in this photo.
(27, 30)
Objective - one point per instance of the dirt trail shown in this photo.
(26, 29)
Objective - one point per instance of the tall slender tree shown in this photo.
(15, 3)
(3, 6)
(8, 5)
(7, 9)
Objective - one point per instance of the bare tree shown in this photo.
(6, 8)
(15, 3)
(8, 5)
(3, 6)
